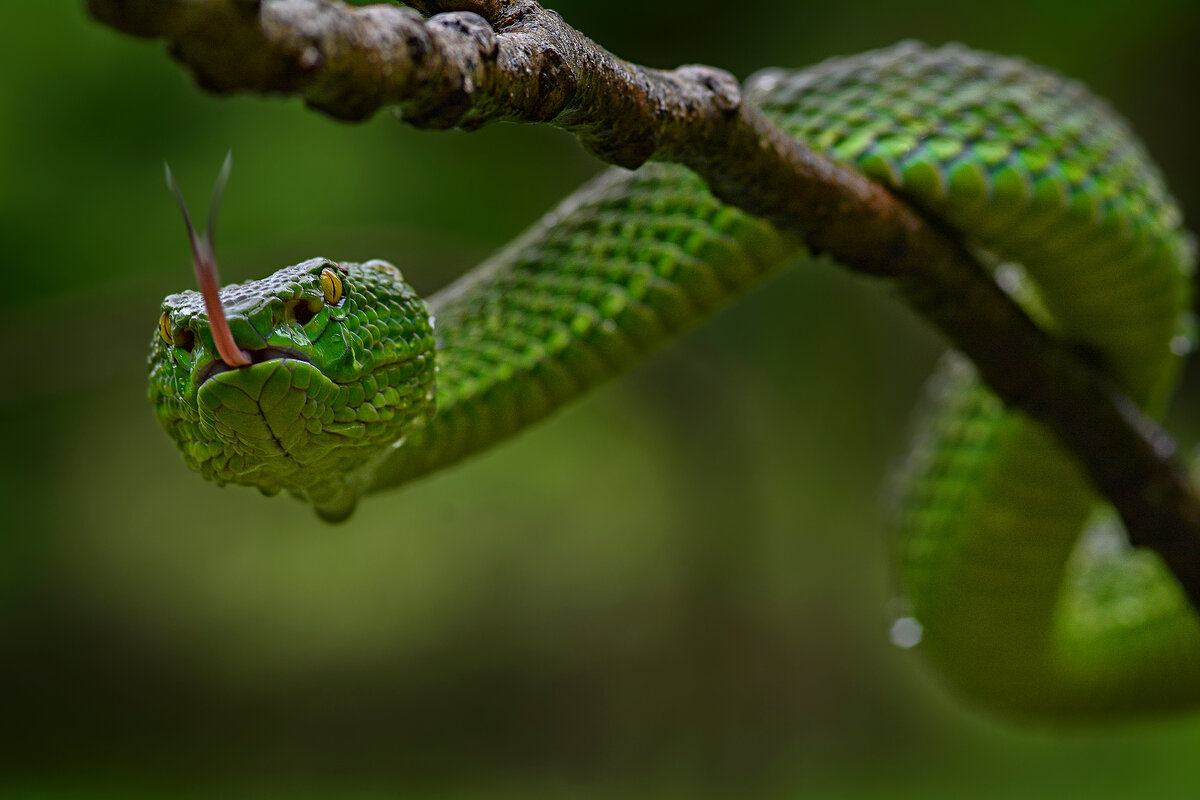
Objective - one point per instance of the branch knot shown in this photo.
(724, 88)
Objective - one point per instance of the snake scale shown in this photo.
(1015, 587)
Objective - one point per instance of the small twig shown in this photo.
(479, 61)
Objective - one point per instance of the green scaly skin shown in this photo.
(1029, 168)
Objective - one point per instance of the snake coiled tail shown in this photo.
(1036, 175)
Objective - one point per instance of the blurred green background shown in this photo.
(677, 587)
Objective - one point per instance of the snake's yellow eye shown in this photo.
(182, 338)
(164, 328)
(331, 287)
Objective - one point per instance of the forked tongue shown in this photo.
(205, 262)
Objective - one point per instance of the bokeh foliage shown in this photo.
(676, 587)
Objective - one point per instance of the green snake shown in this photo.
(335, 380)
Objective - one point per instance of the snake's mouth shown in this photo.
(217, 366)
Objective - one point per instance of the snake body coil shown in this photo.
(1037, 175)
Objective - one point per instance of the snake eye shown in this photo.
(164, 328)
(331, 287)
(181, 337)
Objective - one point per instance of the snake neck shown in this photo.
(617, 270)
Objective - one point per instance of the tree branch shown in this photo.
(479, 61)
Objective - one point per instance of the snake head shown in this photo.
(341, 368)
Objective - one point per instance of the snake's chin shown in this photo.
(217, 366)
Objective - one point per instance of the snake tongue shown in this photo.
(204, 262)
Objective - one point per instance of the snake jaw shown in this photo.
(215, 365)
